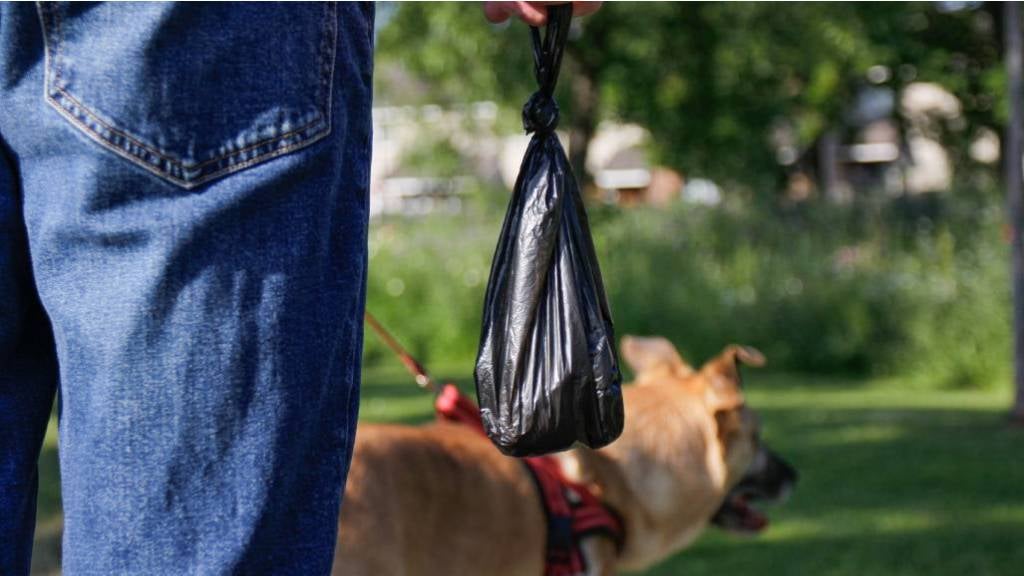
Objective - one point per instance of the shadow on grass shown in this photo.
(993, 550)
(49, 520)
(893, 481)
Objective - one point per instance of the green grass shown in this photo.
(894, 480)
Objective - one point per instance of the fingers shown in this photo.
(533, 13)
(585, 8)
(526, 11)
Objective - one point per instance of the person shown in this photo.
(183, 219)
(532, 13)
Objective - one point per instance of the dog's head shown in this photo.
(753, 471)
(756, 473)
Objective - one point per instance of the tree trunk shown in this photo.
(828, 166)
(1014, 199)
(584, 122)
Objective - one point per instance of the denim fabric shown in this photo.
(183, 213)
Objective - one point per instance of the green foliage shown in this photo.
(435, 157)
(713, 82)
(917, 290)
(427, 279)
(861, 289)
(456, 53)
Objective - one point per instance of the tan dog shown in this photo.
(441, 500)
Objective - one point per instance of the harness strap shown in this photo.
(571, 508)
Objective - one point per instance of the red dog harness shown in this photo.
(571, 508)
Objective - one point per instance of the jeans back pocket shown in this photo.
(192, 91)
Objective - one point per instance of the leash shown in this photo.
(419, 373)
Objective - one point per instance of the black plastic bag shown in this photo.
(547, 376)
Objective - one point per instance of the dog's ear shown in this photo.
(723, 375)
(648, 354)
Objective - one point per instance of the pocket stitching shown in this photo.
(168, 166)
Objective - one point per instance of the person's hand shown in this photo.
(533, 13)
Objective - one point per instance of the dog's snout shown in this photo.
(788, 478)
(787, 472)
(781, 476)
(769, 477)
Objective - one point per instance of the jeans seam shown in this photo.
(167, 166)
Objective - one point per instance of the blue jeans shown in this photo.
(183, 214)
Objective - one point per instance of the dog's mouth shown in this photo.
(770, 479)
(737, 515)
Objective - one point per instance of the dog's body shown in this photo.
(437, 499)
(440, 499)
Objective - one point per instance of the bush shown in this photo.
(883, 288)
(427, 280)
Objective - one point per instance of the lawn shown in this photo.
(894, 480)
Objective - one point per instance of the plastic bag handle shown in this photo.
(547, 54)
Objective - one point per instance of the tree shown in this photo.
(713, 82)
(1014, 192)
